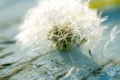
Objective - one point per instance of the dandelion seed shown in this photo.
(62, 23)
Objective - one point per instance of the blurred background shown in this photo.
(109, 8)
(12, 11)
(11, 15)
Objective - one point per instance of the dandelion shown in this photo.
(62, 36)
(56, 26)
(64, 24)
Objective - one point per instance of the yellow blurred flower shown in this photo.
(100, 4)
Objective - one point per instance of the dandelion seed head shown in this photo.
(83, 24)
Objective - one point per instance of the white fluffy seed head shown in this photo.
(40, 20)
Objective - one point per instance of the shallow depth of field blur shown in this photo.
(110, 8)
(12, 14)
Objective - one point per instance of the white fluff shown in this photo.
(41, 19)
